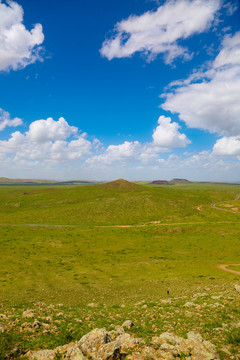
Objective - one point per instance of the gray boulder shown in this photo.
(91, 342)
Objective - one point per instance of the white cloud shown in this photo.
(203, 166)
(166, 134)
(42, 131)
(120, 154)
(210, 100)
(165, 137)
(128, 153)
(46, 141)
(203, 159)
(230, 53)
(56, 154)
(24, 156)
(227, 146)
(5, 120)
(231, 7)
(18, 46)
(73, 150)
(159, 31)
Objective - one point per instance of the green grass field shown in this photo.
(126, 244)
(233, 205)
(108, 205)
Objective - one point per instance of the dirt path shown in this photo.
(225, 268)
(153, 223)
(121, 226)
(218, 208)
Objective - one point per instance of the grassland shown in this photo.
(28, 182)
(230, 206)
(118, 246)
(107, 205)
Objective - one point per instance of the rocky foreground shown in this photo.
(199, 326)
(101, 344)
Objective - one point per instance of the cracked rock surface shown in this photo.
(100, 345)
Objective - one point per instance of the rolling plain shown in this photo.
(81, 257)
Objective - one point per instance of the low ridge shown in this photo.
(121, 184)
(159, 182)
(172, 182)
(179, 181)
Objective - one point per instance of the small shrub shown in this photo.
(233, 337)
(58, 356)
(8, 342)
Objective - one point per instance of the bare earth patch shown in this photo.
(225, 268)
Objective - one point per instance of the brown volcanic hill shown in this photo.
(159, 182)
(179, 181)
(121, 184)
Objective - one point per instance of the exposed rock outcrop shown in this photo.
(237, 288)
(101, 345)
(128, 324)
(159, 182)
(28, 314)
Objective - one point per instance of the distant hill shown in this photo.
(30, 182)
(172, 182)
(159, 182)
(7, 180)
(179, 181)
(121, 184)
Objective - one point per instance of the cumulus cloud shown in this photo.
(5, 120)
(230, 52)
(18, 46)
(210, 100)
(121, 154)
(73, 150)
(68, 154)
(202, 166)
(167, 134)
(159, 31)
(165, 137)
(50, 141)
(47, 141)
(42, 131)
(227, 146)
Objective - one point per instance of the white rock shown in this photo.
(92, 341)
(28, 314)
(128, 324)
(237, 288)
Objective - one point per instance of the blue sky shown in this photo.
(137, 89)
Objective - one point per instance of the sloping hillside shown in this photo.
(121, 184)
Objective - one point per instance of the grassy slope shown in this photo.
(232, 205)
(102, 205)
(77, 263)
(118, 265)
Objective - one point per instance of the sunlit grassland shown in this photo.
(100, 205)
(89, 262)
(234, 267)
(138, 252)
(232, 205)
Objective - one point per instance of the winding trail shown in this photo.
(121, 226)
(153, 223)
(218, 208)
(225, 268)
